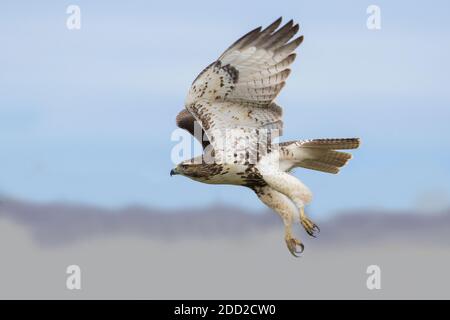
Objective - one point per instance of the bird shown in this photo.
(230, 109)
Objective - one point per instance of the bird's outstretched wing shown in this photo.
(252, 71)
(236, 92)
(185, 120)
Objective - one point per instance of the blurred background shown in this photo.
(86, 118)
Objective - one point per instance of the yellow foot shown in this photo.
(293, 244)
(311, 228)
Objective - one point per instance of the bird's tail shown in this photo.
(317, 154)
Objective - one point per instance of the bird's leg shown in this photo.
(310, 227)
(294, 245)
(286, 210)
(295, 190)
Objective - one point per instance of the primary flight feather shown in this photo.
(230, 109)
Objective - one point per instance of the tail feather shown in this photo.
(333, 144)
(335, 158)
(318, 166)
(317, 154)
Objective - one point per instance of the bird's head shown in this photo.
(182, 168)
(195, 169)
(188, 168)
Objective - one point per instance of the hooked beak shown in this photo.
(173, 172)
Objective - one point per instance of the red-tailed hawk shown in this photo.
(231, 103)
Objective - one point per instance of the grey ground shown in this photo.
(217, 252)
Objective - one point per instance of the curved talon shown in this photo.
(311, 234)
(310, 227)
(292, 244)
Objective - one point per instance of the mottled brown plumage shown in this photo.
(232, 102)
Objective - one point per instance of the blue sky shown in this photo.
(86, 116)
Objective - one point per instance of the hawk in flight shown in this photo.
(230, 109)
